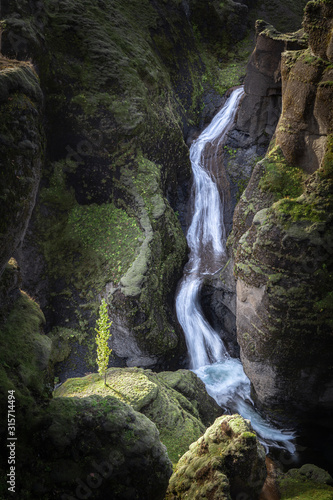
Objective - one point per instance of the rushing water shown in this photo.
(223, 376)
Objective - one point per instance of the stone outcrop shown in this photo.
(21, 149)
(283, 244)
(226, 462)
(177, 402)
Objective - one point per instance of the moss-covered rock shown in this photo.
(307, 483)
(176, 402)
(99, 446)
(21, 150)
(225, 462)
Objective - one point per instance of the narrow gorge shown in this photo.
(172, 158)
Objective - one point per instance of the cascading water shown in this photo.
(223, 376)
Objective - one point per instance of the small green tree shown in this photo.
(103, 334)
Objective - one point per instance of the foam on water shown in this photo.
(223, 376)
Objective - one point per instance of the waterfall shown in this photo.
(223, 376)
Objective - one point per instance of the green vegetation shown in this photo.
(299, 210)
(90, 238)
(293, 488)
(102, 338)
(178, 416)
(280, 178)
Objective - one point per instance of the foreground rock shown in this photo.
(176, 402)
(225, 462)
(98, 447)
(89, 447)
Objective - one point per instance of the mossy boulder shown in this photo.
(21, 151)
(94, 447)
(225, 462)
(307, 483)
(176, 402)
(99, 446)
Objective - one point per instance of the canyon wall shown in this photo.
(282, 240)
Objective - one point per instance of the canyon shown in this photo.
(99, 103)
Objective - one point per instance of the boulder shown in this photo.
(21, 150)
(225, 462)
(99, 447)
(309, 481)
(177, 402)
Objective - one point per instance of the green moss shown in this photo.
(280, 178)
(301, 489)
(300, 210)
(24, 351)
(219, 462)
(98, 242)
(176, 417)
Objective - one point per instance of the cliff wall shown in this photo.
(282, 240)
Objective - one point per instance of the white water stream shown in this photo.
(223, 376)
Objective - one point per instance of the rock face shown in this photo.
(255, 125)
(283, 243)
(177, 402)
(261, 106)
(21, 148)
(226, 462)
